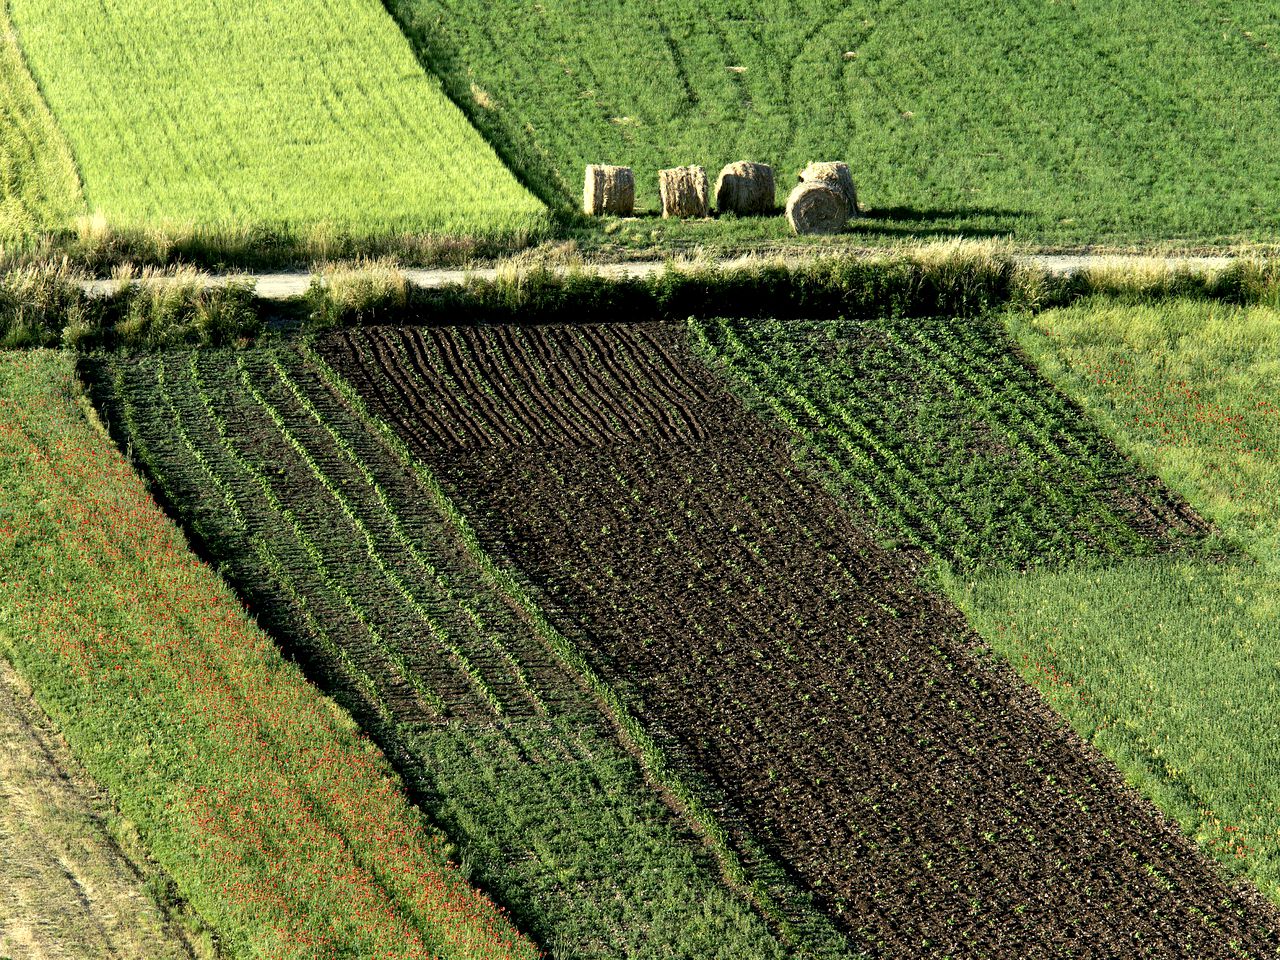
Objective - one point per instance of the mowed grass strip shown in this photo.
(1089, 122)
(1170, 667)
(284, 115)
(39, 185)
(282, 826)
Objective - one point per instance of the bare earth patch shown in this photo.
(66, 889)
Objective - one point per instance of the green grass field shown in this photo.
(1169, 667)
(288, 117)
(294, 132)
(38, 180)
(1083, 123)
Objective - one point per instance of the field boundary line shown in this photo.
(292, 285)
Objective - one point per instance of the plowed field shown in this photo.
(830, 706)
(335, 543)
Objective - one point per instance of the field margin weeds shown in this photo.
(48, 303)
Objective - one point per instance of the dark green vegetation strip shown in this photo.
(792, 667)
(941, 432)
(1169, 667)
(1081, 123)
(279, 822)
(336, 543)
(45, 304)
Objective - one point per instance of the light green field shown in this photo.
(291, 116)
(38, 179)
(1171, 667)
(1073, 123)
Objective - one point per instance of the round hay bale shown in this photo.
(838, 175)
(609, 190)
(816, 207)
(745, 188)
(685, 192)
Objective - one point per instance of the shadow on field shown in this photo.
(927, 214)
(440, 56)
(937, 221)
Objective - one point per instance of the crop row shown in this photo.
(946, 439)
(794, 671)
(169, 693)
(334, 540)
(490, 387)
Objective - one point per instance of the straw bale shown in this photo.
(837, 174)
(816, 207)
(745, 188)
(609, 190)
(685, 192)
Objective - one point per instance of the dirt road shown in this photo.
(284, 286)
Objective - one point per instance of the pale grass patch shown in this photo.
(356, 285)
(67, 892)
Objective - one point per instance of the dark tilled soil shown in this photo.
(930, 799)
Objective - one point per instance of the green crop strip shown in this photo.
(1169, 667)
(344, 553)
(169, 694)
(39, 185)
(1079, 123)
(289, 118)
(938, 432)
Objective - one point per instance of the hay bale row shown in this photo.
(743, 188)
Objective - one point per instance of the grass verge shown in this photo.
(44, 302)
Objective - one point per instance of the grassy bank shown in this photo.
(281, 825)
